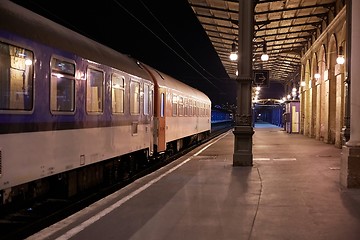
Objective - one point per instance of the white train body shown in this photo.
(75, 109)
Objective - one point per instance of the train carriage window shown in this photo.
(202, 109)
(134, 97)
(147, 99)
(190, 107)
(117, 93)
(16, 78)
(196, 110)
(199, 109)
(186, 107)
(94, 91)
(181, 106)
(151, 100)
(162, 105)
(62, 85)
(174, 105)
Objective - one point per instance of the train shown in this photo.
(221, 115)
(75, 113)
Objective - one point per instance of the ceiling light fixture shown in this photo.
(233, 54)
(341, 58)
(264, 56)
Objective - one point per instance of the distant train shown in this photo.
(75, 113)
(220, 115)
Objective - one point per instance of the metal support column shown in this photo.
(243, 130)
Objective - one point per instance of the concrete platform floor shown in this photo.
(291, 192)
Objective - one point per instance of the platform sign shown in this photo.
(261, 78)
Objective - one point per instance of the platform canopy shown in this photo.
(287, 28)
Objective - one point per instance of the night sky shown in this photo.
(163, 34)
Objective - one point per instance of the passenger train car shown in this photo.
(75, 114)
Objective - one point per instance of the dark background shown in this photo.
(163, 34)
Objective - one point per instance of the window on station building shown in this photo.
(95, 91)
(134, 97)
(117, 93)
(16, 78)
(62, 86)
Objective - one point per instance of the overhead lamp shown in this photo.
(264, 56)
(233, 54)
(28, 62)
(317, 73)
(340, 59)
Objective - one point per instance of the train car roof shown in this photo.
(166, 81)
(21, 21)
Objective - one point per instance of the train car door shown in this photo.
(148, 111)
(161, 123)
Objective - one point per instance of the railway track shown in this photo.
(23, 221)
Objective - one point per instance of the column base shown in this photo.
(242, 159)
(350, 167)
(243, 146)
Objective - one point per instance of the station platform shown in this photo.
(292, 191)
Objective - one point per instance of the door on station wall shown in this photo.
(292, 123)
